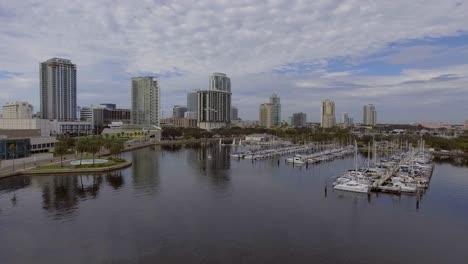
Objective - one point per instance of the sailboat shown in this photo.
(355, 184)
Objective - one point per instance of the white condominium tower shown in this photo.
(328, 118)
(214, 104)
(145, 101)
(58, 89)
(369, 116)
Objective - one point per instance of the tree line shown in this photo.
(91, 144)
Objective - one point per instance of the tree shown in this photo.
(60, 148)
(12, 149)
(116, 147)
(82, 146)
(95, 146)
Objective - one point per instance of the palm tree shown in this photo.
(82, 145)
(60, 148)
(12, 149)
(95, 146)
(116, 147)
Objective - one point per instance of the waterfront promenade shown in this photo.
(20, 168)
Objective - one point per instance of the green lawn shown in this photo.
(111, 162)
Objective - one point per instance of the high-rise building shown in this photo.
(214, 104)
(17, 110)
(145, 101)
(344, 118)
(58, 89)
(234, 113)
(276, 110)
(192, 102)
(220, 82)
(270, 113)
(328, 118)
(465, 127)
(369, 116)
(299, 120)
(265, 113)
(178, 111)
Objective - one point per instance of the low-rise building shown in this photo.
(17, 110)
(14, 148)
(150, 133)
(244, 123)
(179, 122)
(101, 116)
(259, 137)
(72, 128)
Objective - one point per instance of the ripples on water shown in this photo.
(174, 205)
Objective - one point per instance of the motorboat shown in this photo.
(352, 186)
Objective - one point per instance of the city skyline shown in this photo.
(419, 65)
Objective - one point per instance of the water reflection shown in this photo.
(115, 179)
(145, 169)
(216, 164)
(14, 183)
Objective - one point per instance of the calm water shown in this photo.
(176, 206)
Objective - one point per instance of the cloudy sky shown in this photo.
(409, 58)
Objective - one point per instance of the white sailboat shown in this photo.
(356, 183)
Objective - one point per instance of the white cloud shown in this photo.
(241, 38)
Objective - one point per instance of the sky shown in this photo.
(408, 58)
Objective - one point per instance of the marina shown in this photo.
(406, 172)
(175, 204)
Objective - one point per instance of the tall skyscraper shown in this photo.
(17, 110)
(299, 120)
(270, 113)
(276, 110)
(369, 116)
(192, 102)
(345, 119)
(265, 113)
(58, 89)
(178, 111)
(328, 118)
(234, 113)
(145, 101)
(214, 104)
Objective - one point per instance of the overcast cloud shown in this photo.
(409, 58)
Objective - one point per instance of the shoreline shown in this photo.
(31, 171)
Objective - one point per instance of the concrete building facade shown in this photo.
(270, 113)
(192, 102)
(145, 101)
(178, 111)
(178, 122)
(214, 104)
(299, 119)
(234, 113)
(369, 115)
(17, 110)
(328, 118)
(58, 90)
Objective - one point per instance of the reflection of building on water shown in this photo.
(11, 184)
(146, 169)
(61, 194)
(215, 163)
(115, 179)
